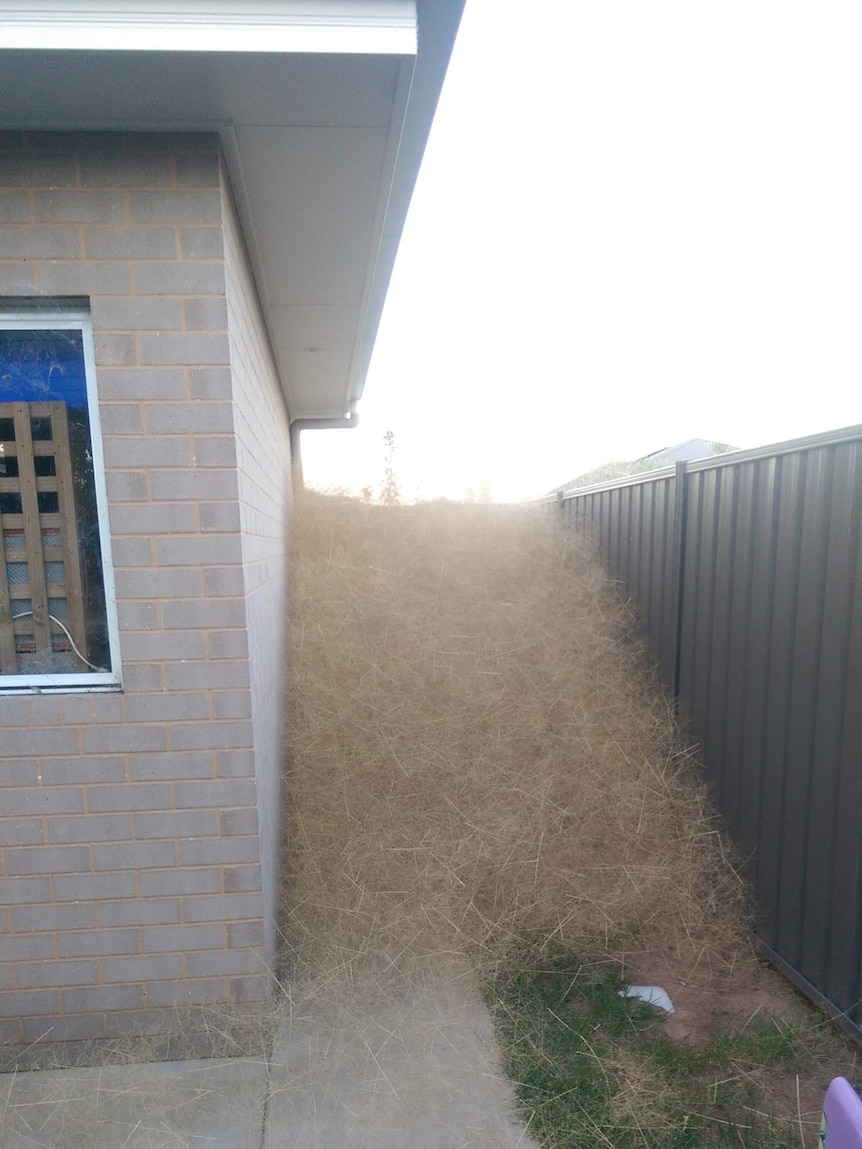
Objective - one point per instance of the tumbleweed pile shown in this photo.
(480, 756)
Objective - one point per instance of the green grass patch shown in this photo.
(592, 1068)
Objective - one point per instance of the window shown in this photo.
(57, 613)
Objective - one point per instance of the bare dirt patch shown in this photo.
(706, 1005)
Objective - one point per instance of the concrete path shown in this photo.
(171, 1105)
(420, 1071)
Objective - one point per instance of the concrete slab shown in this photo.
(170, 1105)
(420, 1070)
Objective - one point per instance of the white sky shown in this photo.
(636, 223)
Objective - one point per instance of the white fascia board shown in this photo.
(438, 22)
(376, 27)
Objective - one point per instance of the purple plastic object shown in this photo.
(841, 1127)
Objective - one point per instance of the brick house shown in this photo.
(200, 205)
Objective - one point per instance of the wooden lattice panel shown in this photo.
(38, 538)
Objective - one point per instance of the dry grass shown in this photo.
(480, 756)
(640, 1097)
(224, 1030)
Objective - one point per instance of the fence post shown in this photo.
(680, 515)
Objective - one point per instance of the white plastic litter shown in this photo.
(651, 994)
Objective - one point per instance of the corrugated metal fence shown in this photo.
(745, 570)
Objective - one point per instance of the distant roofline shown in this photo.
(676, 446)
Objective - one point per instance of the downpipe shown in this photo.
(297, 426)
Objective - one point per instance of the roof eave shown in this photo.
(374, 30)
(438, 27)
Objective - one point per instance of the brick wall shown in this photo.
(129, 845)
(263, 468)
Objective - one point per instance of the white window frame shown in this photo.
(77, 320)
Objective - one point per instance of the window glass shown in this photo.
(53, 615)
